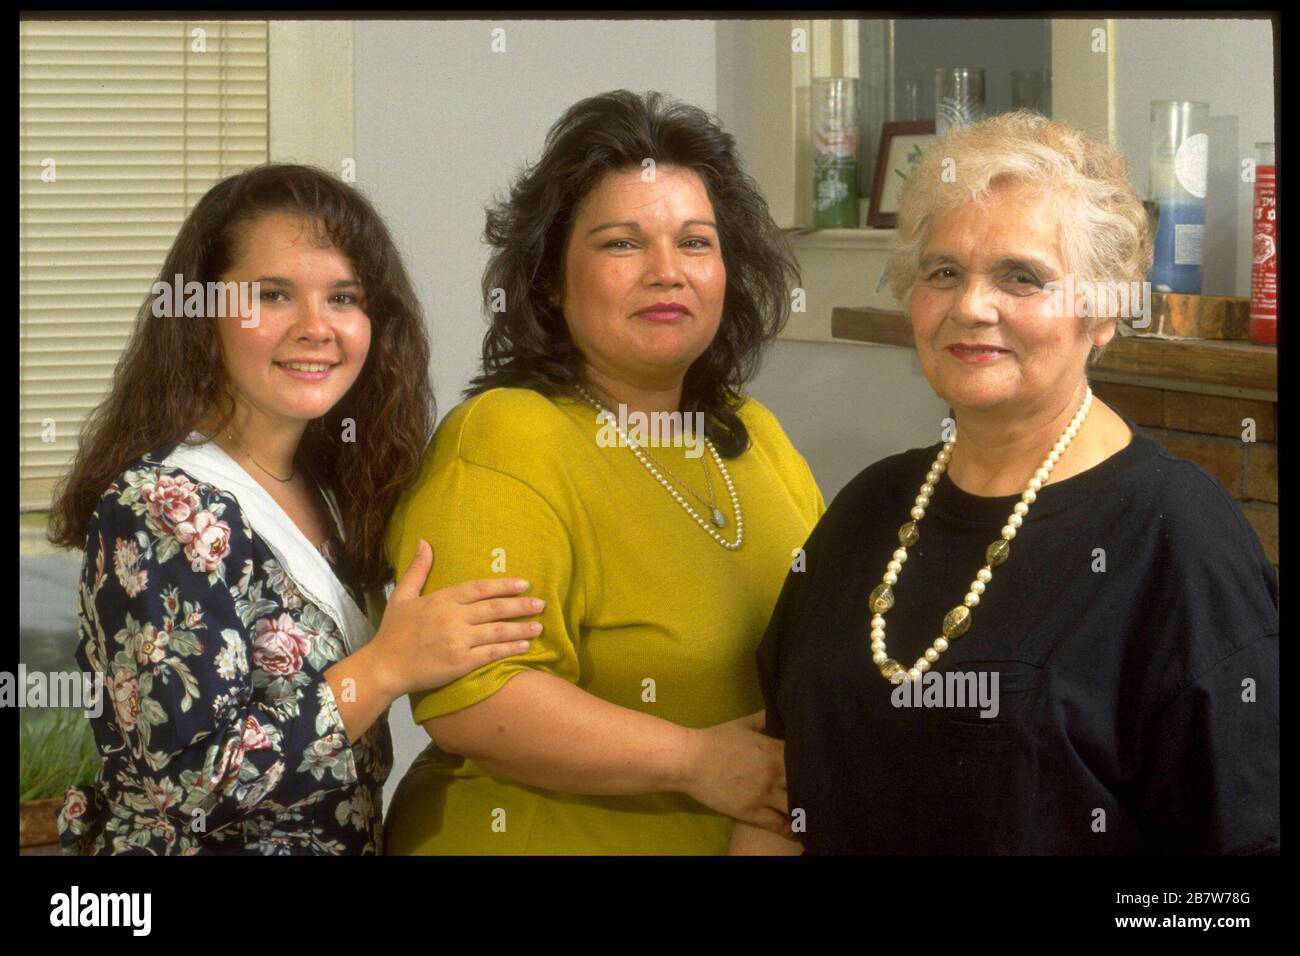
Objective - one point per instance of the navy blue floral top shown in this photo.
(219, 732)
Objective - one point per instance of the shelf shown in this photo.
(1217, 363)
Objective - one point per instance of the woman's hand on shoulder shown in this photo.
(428, 641)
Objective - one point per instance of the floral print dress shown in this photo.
(219, 732)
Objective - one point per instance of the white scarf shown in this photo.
(299, 558)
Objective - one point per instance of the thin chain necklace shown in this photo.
(231, 436)
(710, 502)
(957, 621)
(641, 456)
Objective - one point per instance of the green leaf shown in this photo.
(152, 711)
(188, 681)
(167, 548)
(184, 643)
(56, 750)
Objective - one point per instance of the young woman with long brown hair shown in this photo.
(231, 493)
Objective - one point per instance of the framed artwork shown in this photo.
(902, 146)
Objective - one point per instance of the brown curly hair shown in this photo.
(171, 372)
(528, 345)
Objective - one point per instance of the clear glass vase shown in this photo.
(836, 134)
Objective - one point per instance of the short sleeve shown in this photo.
(485, 523)
(1212, 783)
(791, 466)
(206, 704)
(814, 492)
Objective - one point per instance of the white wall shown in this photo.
(443, 123)
(846, 405)
(1228, 64)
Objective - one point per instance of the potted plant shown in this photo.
(56, 750)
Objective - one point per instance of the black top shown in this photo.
(1137, 705)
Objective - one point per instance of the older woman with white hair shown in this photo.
(1045, 634)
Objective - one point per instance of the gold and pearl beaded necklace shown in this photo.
(678, 496)
(957, 621)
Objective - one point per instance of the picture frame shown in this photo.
(902, 145)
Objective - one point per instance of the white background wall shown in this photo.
(443, 124)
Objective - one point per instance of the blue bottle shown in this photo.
(1179, 152)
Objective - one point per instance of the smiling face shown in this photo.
(983, 268)
(644, 281)
(313, 334)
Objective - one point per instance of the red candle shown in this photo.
(1263, 275)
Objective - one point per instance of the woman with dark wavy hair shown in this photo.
(636, 276)
(231, 494)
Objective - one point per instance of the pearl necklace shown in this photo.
(957, 621)
(711, 502)
(677, 496)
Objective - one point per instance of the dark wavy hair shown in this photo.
(528, 344)
(171, 372)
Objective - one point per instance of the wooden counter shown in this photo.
(1217, 363)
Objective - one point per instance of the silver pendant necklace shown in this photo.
(711, 502)
(719, 519)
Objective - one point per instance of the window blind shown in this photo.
(122, 128)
